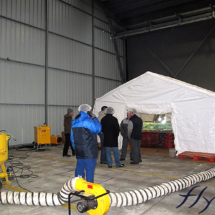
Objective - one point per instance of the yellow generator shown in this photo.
(42, 135)
(56, 139)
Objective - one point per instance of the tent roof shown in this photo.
(155, 76)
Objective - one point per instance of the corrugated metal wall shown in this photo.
(79, 67)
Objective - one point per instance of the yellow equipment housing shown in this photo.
(96, 190)
(4, 154)
(56, 139)
(42, 134)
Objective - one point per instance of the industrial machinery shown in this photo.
(4, 137)
(94, 200)
(42, 135)
(56, 139)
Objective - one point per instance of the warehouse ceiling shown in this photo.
(141, 16)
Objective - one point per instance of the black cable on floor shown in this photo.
(20, 167)
(26, 148)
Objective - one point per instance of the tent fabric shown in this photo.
(192, 108)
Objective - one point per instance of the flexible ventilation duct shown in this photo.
(39, 198)
(135, 197)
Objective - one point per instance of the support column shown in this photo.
(46, 60)
(93, 57)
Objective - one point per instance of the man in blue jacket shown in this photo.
(84, 140)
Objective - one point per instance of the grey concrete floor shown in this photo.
(51, 171)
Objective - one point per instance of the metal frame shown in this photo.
(169, 22)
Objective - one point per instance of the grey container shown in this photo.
(172, 153)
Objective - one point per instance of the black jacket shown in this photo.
(124, 127)
(136, 132)
(110, 128)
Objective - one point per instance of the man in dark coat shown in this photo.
(110, 129)
(135, 127)
(67, 130)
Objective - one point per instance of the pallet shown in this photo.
(197, 156)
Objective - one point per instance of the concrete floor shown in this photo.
(51, 171)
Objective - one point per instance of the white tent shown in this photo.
(192, 108)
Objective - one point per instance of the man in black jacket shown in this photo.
(135, 127)
(110, 128)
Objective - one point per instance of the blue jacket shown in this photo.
(83, 136)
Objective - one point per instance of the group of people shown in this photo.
(82, 137)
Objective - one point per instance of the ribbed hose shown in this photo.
(142, 195)
(39, 198)
(116, 199)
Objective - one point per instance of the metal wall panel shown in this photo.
(21, 43)
(67, 88)
(98, 13)
(103, 41)
(29, 12)
(103, 86)
(70, 22)
(56, 118)
(97, 7)
(106, 65)
(19, 120)
(21, 83)
(101, 24)
(119, 43)
(69, 55)
(87, 1)
(83, 5)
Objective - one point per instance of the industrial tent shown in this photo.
(192, 108)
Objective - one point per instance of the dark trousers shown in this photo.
(135, 150)
(125, 142)
(67, 144)
(103, 158)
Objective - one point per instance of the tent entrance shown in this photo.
(157, 131)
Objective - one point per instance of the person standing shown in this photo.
(135, 127)
(67, 130)
(125, 141)
(103, 158)
(84, 140)
(110, 128)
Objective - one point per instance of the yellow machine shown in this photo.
(56, 139)
(95, 200)
(4, 155)
(42, 135)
